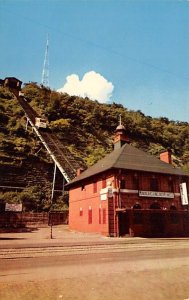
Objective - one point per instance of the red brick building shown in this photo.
(130, 192)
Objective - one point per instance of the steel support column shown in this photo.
(53, 185)
(63, 183)
(27, 121)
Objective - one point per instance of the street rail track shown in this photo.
(89, 249)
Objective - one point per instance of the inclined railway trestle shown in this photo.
(52, 145)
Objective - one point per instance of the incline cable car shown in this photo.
(40, 122)
(21, 94)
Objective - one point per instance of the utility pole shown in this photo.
(45, 72)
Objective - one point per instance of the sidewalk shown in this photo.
(61, 236)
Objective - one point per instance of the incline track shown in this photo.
(59, 153)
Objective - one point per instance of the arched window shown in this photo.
(155, 205)
(173, 207)
(137, 206)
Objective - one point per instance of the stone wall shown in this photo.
(28, 172)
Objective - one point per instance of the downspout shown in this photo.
(116, 220)
(118, 192)
(118, 204)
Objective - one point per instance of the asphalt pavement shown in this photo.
(59, 235)
(75, 265)
(62, 236)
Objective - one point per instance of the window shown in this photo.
(173, 207)
(122, 184)
(103, 183)
(137, 206)
(170, 185)
(90, 216)
(95, 187)
(104, 216)
(155, 205)
(154, 186)
(137, 214)
(99, 212)
(81, 212)
(135, 182)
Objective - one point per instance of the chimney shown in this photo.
(79, 171)
(120, 136)
(166, 156)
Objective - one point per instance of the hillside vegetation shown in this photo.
(86, 127)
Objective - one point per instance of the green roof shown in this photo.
(129, 158)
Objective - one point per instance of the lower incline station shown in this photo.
(130, 193)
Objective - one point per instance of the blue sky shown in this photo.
(141, 47)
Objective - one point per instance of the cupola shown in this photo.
(120, 137)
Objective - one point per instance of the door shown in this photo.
(123, 223)
(157, 223)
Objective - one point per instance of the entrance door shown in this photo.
(123, 223)
(157, 224)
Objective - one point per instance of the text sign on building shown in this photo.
(103, 194)
(156, 194)
(13, 207)
(106, 193)
(183, 194)
(103, 197)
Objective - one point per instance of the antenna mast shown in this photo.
(45, 73)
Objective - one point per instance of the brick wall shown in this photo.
(28, 173)
(22, 219)
(154, 223)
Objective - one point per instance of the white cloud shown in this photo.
(92, 85)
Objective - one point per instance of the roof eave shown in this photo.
(76, 181)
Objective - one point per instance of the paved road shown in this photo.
(130, 259)
(179, 246)
(142, 269)
(62, 237)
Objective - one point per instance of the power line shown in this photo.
(104, 48)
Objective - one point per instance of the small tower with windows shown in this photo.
(120, 136)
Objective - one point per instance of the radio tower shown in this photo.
(45, 73)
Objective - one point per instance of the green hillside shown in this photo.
(86, 127)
